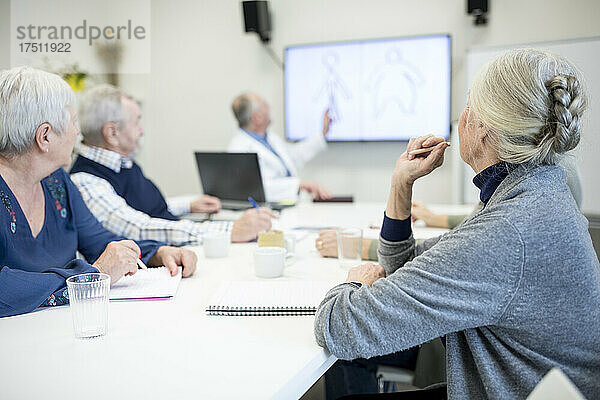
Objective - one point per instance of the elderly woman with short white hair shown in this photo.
(43, 219)
(514, 289)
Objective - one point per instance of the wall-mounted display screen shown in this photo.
(375, 90)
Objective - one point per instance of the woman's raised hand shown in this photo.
(411, 167)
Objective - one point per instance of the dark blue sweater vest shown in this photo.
(138, 191)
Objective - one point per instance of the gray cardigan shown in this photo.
(515, 289)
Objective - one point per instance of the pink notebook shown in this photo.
(150, 284)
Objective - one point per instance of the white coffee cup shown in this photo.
(216, 244)
(269, 262)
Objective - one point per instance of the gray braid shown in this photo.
(562, 129)
(532, 102)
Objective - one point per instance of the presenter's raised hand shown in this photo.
(326, 122)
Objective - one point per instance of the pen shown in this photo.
(252, 202)
(424, 150)
(141, 264)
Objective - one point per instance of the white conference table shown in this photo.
(171, 349)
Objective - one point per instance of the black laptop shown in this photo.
(232, 177)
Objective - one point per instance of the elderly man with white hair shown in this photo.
(45, 221)
(116, 190)
(279, 161)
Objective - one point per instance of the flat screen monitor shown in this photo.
(375, 90)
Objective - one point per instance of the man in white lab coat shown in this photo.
(279, 161)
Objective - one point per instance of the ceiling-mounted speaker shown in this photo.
(257, 18)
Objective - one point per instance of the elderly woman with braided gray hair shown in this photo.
(514, 289)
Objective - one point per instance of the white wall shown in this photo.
(201, 59)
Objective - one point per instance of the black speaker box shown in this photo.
(481, 5)
(257, 18)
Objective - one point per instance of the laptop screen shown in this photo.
(231, 176)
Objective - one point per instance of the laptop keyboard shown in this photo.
(235, 205)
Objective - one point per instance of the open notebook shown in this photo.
(251, 298)
(150, 284)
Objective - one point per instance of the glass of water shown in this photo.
(349, 247)
(88, 298)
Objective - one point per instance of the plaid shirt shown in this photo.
(117, 216)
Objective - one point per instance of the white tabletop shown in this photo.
(171, 349)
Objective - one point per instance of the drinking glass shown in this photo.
(349, 247)
(88, 298)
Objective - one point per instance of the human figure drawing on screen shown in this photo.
(333, 86)
(395, 82)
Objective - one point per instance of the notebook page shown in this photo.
(270, 294)
(153, 283)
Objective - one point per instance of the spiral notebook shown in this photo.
(146, 284)
(258, 298)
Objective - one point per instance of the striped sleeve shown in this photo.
(117, 216)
